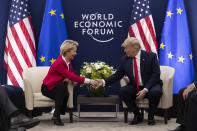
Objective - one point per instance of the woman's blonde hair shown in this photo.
(132, 41)
(67, 46)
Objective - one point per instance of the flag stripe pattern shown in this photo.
(20, 51)
(142, 26)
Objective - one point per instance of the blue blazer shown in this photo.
(149, 66)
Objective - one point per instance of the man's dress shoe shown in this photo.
(151, 121)
(137, 119)
(18, 129)
(57, 121)
(23, 121)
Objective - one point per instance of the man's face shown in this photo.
(130, 51)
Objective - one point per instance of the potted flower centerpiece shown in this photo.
(97, 70)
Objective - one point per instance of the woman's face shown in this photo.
(72, 53)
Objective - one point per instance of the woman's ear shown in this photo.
(64, 55)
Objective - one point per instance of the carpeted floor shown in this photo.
(101, 121)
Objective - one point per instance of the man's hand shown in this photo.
(141, 94)
(94, 83)
(188, 90)
(99, 83)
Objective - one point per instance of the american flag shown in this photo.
(20, 50)
(142, 26)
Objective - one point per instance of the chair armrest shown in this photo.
(29, 101)
(167, 77)
(70, 91)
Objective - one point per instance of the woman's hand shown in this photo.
(94, 83)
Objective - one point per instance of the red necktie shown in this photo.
(136, 74)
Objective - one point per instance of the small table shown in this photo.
(108, 100)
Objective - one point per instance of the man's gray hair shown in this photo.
(132, 41)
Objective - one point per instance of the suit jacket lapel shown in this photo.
(129, 66)
(142, 63)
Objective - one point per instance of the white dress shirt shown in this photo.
(138, 68)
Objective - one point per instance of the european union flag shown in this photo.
(175, 47)
(53, 33)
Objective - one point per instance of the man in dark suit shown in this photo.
(187, 106)
(191, 118)
(17, 119)
(142, 69)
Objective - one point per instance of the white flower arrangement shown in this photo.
(97, 70)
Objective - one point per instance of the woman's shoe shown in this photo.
(57, 121)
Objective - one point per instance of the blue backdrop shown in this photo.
(90, 49)
(74, 11)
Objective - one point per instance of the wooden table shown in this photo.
(108, 100)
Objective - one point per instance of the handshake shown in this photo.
(95, 83)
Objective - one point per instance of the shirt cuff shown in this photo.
(146, 89)
(87, 81)
(103, 82)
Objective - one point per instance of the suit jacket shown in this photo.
(191, 110)
(195, 83)
(58, 72)
(149, 66)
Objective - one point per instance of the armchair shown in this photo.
(167, 75)
(33, 78)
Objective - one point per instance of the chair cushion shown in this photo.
(40, 97)
(144, 103)
(42, 101)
